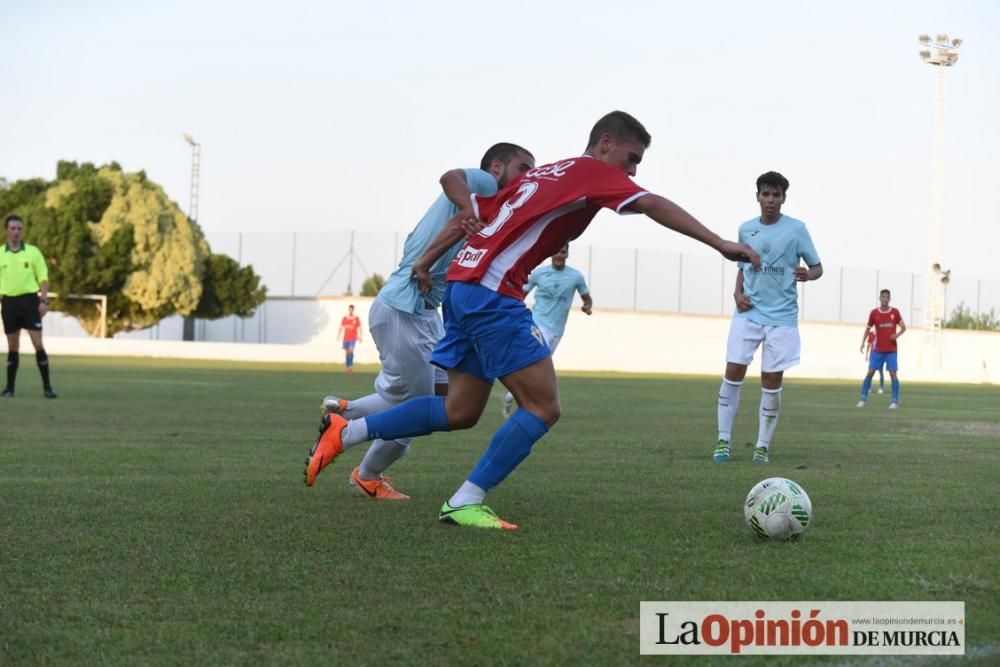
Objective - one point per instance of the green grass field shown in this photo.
(155, 514)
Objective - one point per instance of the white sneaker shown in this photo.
(880, 390)
(861, 404)
(508, 405)
(893, 406)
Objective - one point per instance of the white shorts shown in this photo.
(550, 338)
(404, 343)
(781, 345)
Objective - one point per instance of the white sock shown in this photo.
(354, 433)
(381, 455)
(366, 405)
(508, 397)
(770, 406)
(729, 403)
(467, 494)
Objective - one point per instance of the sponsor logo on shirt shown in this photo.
(470, 257)
(550, 171)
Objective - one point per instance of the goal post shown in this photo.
(102, 308)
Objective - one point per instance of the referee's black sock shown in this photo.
(43, 367)
(12, 359)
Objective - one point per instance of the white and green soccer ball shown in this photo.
(778, 509)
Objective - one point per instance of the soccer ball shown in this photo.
(778, 509)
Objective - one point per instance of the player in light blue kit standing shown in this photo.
(405, 324)
(767, 311)
(556, 284)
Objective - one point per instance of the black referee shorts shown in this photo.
(21, 312)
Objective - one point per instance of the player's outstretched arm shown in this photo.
(456, 188)
(450, 234)
(672, 216)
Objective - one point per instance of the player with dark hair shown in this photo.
(767, 311)
(495, 161)
(24, 284)
(405, 324)
(888, 326)
(489, 332)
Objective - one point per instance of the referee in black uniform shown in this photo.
(24, 284)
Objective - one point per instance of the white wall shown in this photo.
(305, 330)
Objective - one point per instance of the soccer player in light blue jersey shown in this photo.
(405, 324)
(554, 285)
(767, 312)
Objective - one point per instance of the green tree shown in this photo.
(105, 231)
(372, 285)
(963, 318)
(228, 289)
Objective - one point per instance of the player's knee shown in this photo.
(462, 417)
(548, 411)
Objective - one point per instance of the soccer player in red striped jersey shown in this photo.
(889, 326)
(489, 332)
(350, 327)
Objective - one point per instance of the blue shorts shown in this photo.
(349, 344)
(877, 359)
(487, 334)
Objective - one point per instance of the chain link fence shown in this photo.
(336, 263)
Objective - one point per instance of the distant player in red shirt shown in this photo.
(888, 327)
(350, 327)
(867, 347)
(489, 332)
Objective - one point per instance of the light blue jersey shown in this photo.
(554, 295)
(772, 292)
(401, 293)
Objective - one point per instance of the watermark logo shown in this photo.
(813, 628)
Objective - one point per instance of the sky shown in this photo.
(324, 116)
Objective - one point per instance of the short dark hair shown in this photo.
(886, 292)
(775, 179)
(621, 126)
(505, 152)
(12, 218)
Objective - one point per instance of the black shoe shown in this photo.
(49, 393)
(7, 393)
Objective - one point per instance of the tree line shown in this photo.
(105, 231)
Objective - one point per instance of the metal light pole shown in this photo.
(188, 333)
(195, 173)
(940, 52)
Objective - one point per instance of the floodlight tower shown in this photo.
(195, 173)
(188, 329)
(942, 53)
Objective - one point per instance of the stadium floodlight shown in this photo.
(942, 53)
(188, 330)
(944, 50)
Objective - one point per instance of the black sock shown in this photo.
(43, 367)
(12, 359)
